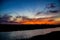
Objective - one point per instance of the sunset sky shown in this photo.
(28, 12)
(26, 7)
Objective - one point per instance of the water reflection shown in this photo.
(26, 34)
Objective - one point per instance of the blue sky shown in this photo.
(24, 7)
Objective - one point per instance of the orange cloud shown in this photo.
(40, 21)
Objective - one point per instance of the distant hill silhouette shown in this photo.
(13, 27)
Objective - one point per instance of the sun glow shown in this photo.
(43, 21)
(35, 21)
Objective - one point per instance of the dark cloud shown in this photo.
(55, 11)
(38, 13)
